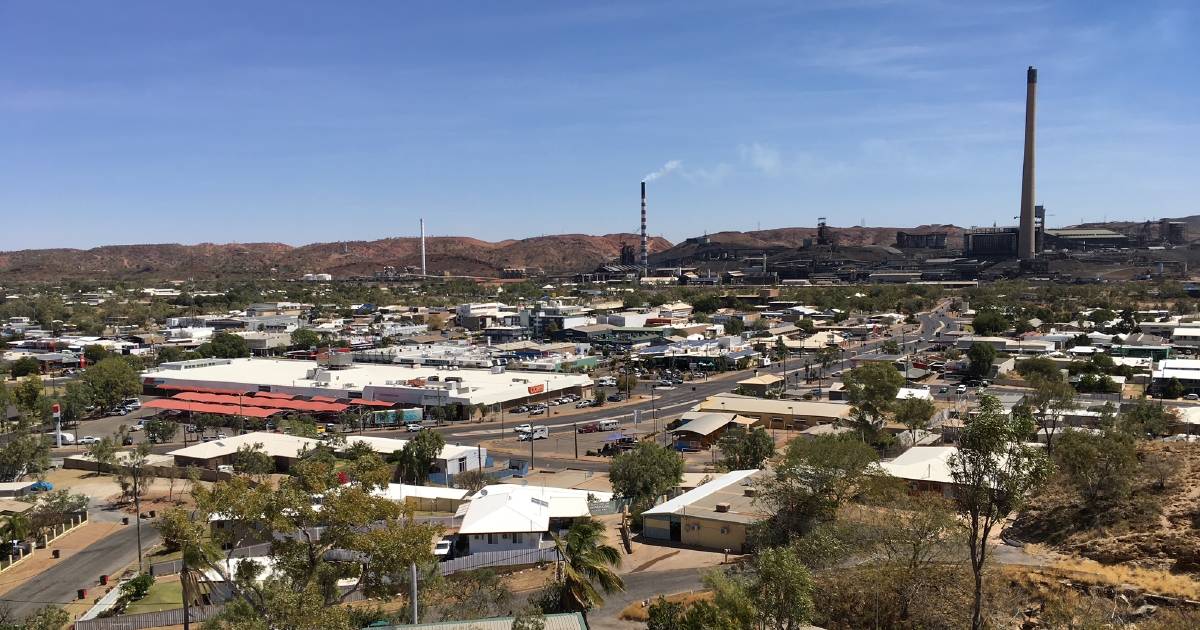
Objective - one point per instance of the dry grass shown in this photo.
(637, 612)
(1156, 581)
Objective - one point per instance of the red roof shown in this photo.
(255, 401)
(373, 403)
(198, 407)
(279, 395)
(324, 399)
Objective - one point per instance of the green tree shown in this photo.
(305, 338)
(28, 393)
(994, 470)
(744, 449)
(587, 562)
(161, 430)
(473, 595)
(980, 357)
(44, 618)
(24, 454)
(871, 389)
(95, 354)
(416, 458)
(1174, 389)
(103, 452)
(74, 402)
(111, 381)
(781, 589)
(1100, 467)
(251, 459)
(224, 345)
(168, 354)
(472, 480)
(302, 591)
(1146, 417)
(989, 322)
(1039, 366)
(734, 326)
(24, 367)
(915, 414)
(1051, 399)
(891, 346)
(645, 473)
(811, 481)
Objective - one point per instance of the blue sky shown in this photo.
(137, 122)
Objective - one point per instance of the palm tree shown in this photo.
(18, 527)
(585, 562)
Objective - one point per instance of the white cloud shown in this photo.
(762, 157)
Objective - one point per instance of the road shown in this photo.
(58, 584)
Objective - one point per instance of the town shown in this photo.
(588, 450)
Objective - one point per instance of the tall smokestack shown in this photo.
(423, 247)
(645, 242)
(1026, 238)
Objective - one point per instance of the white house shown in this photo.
(505, 517)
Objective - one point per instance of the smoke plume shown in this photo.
(672, 165)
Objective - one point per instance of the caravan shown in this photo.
(539, 432)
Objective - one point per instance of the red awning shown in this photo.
(372, 403)
(198, 407)
(254, 401)
(279, 395)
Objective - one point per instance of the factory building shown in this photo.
(920, 240)
(993, 242)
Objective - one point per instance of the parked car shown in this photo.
(1191, 397)
(520, 409)
(413, 427)
(616, 398)
(943, 389)
(441, 549)
(132, 403)
(537, 412)
(138, 426)
(127, 440)
(89, 439)
(584, 403)
(222, 436)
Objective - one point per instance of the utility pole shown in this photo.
(412, 574)
(183, 581)
(137, 509)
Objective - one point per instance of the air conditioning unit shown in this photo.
(722, 507)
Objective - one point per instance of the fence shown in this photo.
(171, 567)
(173, 617)
(498, 559)
(600, 508)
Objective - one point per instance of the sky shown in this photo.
(297, 122)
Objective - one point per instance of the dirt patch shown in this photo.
(637, 612)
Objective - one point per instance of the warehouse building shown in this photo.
(778, 414)
(425, 386)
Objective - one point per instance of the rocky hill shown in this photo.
(453, 255)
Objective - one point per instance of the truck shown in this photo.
(608, 425)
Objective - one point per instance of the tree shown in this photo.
(734, 326)
(587, 561)
(1100, 467)
(891, 346)
(251, 459)
(1040, 366)
(134, 474)
(168, 354)
(472, 480)
(1161, 467)
(24, 454)
(74, 402)
(103, 452)
(161, 430)
(44, 618)
(379, 536)
(914, 413)
(529, 618)
(994, 471)
(781, 589)
(225, 345)
(744, 449)
(980, 357)
(416, 458)
(305, 338)
(1173, 389)
(28, 393)
(812, 480)
(473, 595)
(111, 381)
(95, 353)
(1050, 400)
(989, 322)
(24, 367)
(871, 389)
(645, 473)
(56, 507)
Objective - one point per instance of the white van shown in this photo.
(539, 432)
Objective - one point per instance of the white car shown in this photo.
(413, 427)
(523, 428)
(89, 439)
(139, 426)
(441, 548)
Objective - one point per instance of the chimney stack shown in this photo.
(423, 247)
(645, 242)
(1026, 237)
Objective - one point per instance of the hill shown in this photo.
(454, 255)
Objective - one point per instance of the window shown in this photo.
(491, 539)
(518, 538)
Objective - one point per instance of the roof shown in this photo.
(751, 405)
(914, 392)
(402, 491)
(922, 463)
(199, 407)
(764, 379)
(274, 402)
(691, 496)
(273, 444)
(512, 508)
(556, 621)
(704, 422)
